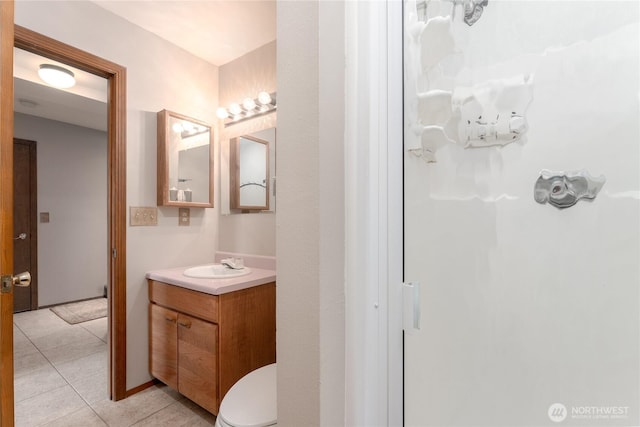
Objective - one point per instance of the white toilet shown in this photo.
(252, 401)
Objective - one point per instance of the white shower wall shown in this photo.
(525, 305)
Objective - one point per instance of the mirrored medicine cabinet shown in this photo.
(251, 165)
(185, 161)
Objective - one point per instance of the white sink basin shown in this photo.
(215, 271)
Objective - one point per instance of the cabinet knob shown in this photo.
(185, 323)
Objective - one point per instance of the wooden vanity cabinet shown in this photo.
(184, 354)
(201, 344)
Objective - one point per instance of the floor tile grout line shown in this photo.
(89, 405)
(67, 383)
(91, 332)
(152, 414)
(71, 413)
(67, 361)
(41, 393)
(94, 408)
(86, 404)
(50, 420)
(42, 354)
(30, 338)
(77, 358)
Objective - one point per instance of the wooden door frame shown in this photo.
(116, 134)
(6, 210)
(33, 219)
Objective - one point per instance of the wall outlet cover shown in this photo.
(184, 216)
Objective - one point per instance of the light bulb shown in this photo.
(222, 113)
(177, 127)
(264, 98)
(188, 127)
(249, 104)
(235, 109)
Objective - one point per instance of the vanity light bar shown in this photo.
(250, 108)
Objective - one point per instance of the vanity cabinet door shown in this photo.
(197, 355)
(163, 351)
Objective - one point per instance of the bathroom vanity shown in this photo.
(206, 334)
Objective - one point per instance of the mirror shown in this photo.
(185, 161)
(250, 180)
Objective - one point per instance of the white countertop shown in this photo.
(174, 276)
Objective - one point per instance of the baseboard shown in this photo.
(141, 387)
(68, 302)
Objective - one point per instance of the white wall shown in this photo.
(525, 305)
(159, 75)
(252, 233)
(72, 187)
(310, 220)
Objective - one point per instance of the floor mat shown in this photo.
(83, 311)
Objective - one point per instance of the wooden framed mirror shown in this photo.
(249, 173)
(185, 161)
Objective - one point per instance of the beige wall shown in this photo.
(248, 75)
(252, 233)
(159, 75)
(310, 220)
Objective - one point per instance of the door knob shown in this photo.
(21, 236)
(22, 280)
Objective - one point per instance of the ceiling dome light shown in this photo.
(222, 113)
(264, 98)
(56, 76)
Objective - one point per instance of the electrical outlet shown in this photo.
(184, 216)
(143, 216)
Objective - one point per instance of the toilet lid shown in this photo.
(252, 401)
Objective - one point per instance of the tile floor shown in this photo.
(61, 380)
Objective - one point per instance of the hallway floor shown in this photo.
(61, 380)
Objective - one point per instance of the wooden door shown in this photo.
(198, 361)
(6, 211)
(163, 345)
(25, 250)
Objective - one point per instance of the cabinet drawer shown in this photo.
(198, 304)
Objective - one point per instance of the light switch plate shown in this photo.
(143, 216)
(44, 217)
(184, 216)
